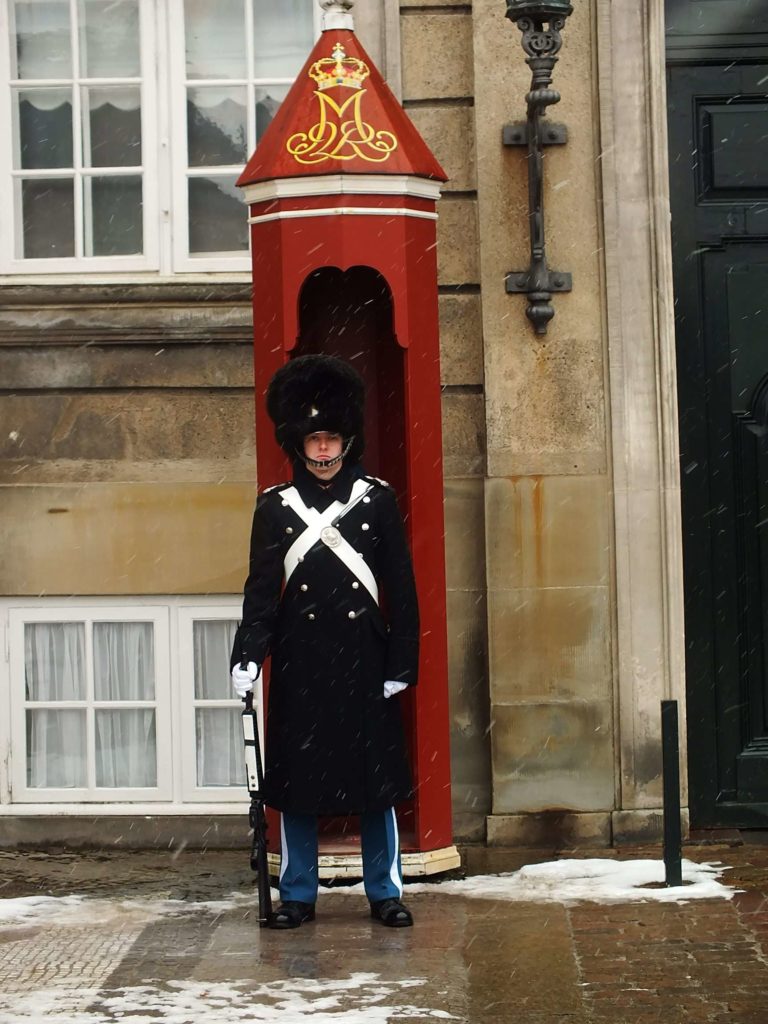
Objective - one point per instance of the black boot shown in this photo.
(291, 914)
(392, 913)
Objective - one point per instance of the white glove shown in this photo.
(391, 687)
(243, 679)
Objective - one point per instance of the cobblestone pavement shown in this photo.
(159, 939)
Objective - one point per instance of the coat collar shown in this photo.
(339, 489)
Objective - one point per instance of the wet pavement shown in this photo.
(162, 937)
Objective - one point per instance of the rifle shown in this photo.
(256, 816)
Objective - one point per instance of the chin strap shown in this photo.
(318, 463)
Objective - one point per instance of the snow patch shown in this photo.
(568, 881)
(560, 881)
(596, 880)
(362, 998)
(80, 911)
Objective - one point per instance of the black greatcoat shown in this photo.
(334, 744)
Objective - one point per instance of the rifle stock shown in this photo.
(256, 815)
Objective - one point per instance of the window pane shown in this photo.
(267, 104)
(48, 218)
(215, 38)
(45, 128)
(212, 640)
(109, 39)
(126, 748)
(114, 123)
(54, 660)
(220, 757)
(123, 661)
(218, 221)
(115, 227)
(283, 36)
(43, 45)
(56, 749)
(216, 126)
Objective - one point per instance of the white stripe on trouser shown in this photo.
(283, 848)
(381, 856)
(394, 868)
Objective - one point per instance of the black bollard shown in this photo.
(670, 755)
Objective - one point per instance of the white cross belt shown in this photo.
(319, 527)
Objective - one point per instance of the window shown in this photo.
(211, 720)
(240, 60)
(131, 120)
(131, 703)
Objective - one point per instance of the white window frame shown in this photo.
(164, 167)
(177, 791)
(149, 260)
(158, 616)
(191, 792)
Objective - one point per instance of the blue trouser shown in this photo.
(382, 871)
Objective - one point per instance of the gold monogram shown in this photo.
(352, 136)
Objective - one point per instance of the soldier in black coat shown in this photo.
(322, 549)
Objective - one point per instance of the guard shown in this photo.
(324, 549)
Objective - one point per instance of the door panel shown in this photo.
(716, 18)
(718, 129)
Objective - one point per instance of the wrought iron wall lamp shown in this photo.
(542, 46)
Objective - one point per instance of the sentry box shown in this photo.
(342, 193)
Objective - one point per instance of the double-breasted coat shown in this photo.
(334, 744)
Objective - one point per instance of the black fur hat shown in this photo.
(317, 392)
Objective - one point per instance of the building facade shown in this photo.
(580, 586)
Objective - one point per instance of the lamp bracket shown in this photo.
(519, 281)
(538, 284)
(550, 134)
(541, 23)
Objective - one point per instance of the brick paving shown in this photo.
(467, 960)
(61, 958)
(667, 962)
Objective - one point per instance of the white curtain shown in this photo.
(214, 35)
(123, 661)
(124, 670)
(42, 39)
(283, 37)
(54, 657)
(126, 748)
(218, 730)
(109, 39)
(220, 756)
(125, 738)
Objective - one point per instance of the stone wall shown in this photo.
(438, 91)
(126, 429)
(126, 439)
(535, 430)
(547, 489)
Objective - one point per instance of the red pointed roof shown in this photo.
(340, 116)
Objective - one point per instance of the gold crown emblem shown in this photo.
(339, 69)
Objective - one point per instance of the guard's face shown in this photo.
(323, 446)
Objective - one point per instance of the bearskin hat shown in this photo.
(317, 392)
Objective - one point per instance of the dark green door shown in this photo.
(718, 137)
